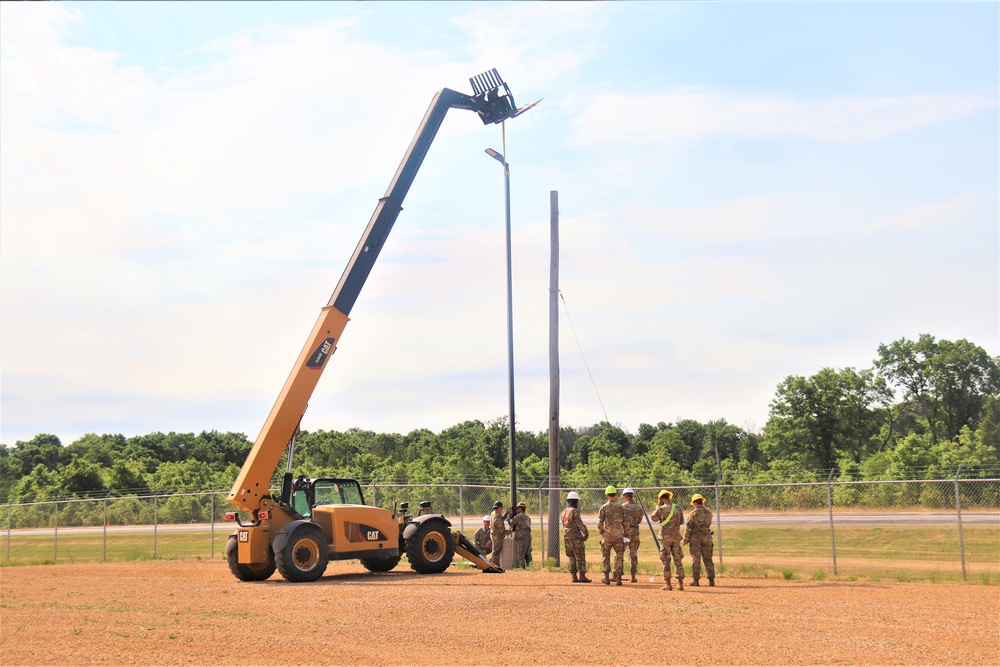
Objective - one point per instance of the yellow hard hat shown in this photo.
(668, 494)
(697, 497)
(611, 491)
(522, 505)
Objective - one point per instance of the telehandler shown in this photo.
(312, 521)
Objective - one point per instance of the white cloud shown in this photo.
(614, 119)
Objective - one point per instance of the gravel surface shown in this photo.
(196, 613)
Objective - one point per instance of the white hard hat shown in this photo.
(572, 495)
(486, 518)
(628, 489)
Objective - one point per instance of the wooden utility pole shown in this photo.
(554, 459)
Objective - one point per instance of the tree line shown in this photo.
(925, 407)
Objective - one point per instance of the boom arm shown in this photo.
(253, 482)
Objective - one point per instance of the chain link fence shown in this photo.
(894, 530)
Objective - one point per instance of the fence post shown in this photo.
(55, 534)
(211, 508)
(155, 523)
(541, 523)
(8, 531)
(718, 517)
(958, 514)
(461, 505)
(829, 506)
(104, 548)
(375, 491)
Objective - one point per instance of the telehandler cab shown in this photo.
(313, 521)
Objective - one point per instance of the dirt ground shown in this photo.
(196, 613)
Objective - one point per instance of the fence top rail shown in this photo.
(98, 499)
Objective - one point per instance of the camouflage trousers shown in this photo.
(497, 549)
(633, 553)
(521, 546)
(576, 551)
(619, 546)
(668, 549)
(701, 550)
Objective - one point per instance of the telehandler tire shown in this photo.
(430, 549)
(245, 571)
(380, 564)
(305, 555)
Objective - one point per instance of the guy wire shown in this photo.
(573, 329)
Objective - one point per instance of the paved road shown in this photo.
(730, 520)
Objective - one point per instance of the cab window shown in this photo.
(300, 503)
(341, 492)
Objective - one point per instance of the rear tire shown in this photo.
(248, 571)
(430, 549)
(380, 564)
(305, 556)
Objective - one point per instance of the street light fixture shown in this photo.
(510, 330)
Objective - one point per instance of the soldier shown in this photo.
(482, 538)
(635, 515)
(520, 525)
(575, 533)
(699, 535)
(613, 524)
(496, 532)
(671, 519)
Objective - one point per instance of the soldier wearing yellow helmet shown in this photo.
(699, 536)
(520, 525)
(613, 524)
(671, 518)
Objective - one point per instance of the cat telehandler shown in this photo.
(312, 521)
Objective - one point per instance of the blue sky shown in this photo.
(747, 191)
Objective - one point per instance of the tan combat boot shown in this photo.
(711, 581)
(667, 586)
(633, 577)
(618, 579)
(584, 579)
(575, 580)
(680, 583)
(604, 580)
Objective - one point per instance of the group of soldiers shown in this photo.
(619, 525)
(489, 538)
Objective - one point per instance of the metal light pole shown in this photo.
(510, 328)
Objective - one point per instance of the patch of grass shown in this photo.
(903, 577)
(819, 575)
(787, 574)
(988, 579)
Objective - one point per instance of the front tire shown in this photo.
(305, 556)
(430, 549)
(248, 571)
(380, 564)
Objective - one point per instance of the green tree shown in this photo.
(819, 419)
(946, 383)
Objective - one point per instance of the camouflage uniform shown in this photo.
(670, 539)
(520, 524)
(482, 541)
(635, 516)
(613, 524)
(699, 536)
(574, 534)
(496, 535)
